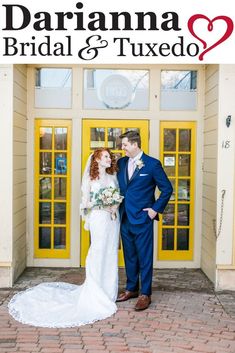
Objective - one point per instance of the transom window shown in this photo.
(178, 90)
(116, 89)
(53, 88)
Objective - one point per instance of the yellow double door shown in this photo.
(105, 133)
(177, 154)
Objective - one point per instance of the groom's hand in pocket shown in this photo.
(151, 213)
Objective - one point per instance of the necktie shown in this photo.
(131, 167)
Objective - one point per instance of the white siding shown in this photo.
(6, 211)
(226, 177)
(19, 168)
(208, 255)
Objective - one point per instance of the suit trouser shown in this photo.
(137, 240)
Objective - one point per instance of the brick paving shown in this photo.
(186, 316)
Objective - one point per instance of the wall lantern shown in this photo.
(228, 120)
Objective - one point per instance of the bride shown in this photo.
(59, 304)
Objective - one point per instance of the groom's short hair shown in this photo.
(132, 136)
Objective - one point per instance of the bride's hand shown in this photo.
(114, 208)
(89, 205)
(114, 212)
(109, 209)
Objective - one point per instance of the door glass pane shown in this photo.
(59, 238)
(44, 212)
(59, 213)
(169, 139)
(182, 239)
(60, 163)
(60, 138)
(183, 215)
(44, 238)
(184, 140)
(178, 90)
(168, 217)
(45, 188)
(184, 190)
(132, 129)
(184, 165)
(45, 138)
(116, 89)
(173, 193)
(53, 88)
(169, 164)
(114, 142)
(167, 239)
(60, 188)
(97, 137)
(45, 162)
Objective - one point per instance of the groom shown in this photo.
(138, 176)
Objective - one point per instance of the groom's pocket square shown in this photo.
(143, 174)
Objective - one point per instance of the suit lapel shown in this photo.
(126, 172)
(134, 174)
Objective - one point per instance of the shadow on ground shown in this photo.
(169, 280)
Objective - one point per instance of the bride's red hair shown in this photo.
(94, 169)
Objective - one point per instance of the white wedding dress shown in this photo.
(59, 304)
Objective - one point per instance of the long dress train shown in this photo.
(59, 304)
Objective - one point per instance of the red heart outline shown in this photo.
(226, 35)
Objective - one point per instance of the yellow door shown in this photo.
(52, 188)
(175, 239)
(105, 133)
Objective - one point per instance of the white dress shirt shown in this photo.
(132, 164)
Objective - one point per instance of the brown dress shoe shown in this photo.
(143, 302)
(127, 295)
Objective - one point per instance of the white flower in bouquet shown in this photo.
(109, 200)
(108, 193)
(116, 197)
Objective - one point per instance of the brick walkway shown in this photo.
(185, 316)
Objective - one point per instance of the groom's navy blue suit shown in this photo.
(136, 225)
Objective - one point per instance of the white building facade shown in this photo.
(53, 116)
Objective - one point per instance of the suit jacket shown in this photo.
(139, 191)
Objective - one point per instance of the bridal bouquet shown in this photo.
(107, 198)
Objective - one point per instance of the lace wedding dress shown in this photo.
(59, 304)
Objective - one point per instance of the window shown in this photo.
(53, 88)
(116, 89)
(178, 90)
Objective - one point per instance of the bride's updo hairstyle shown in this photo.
(94, 169)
